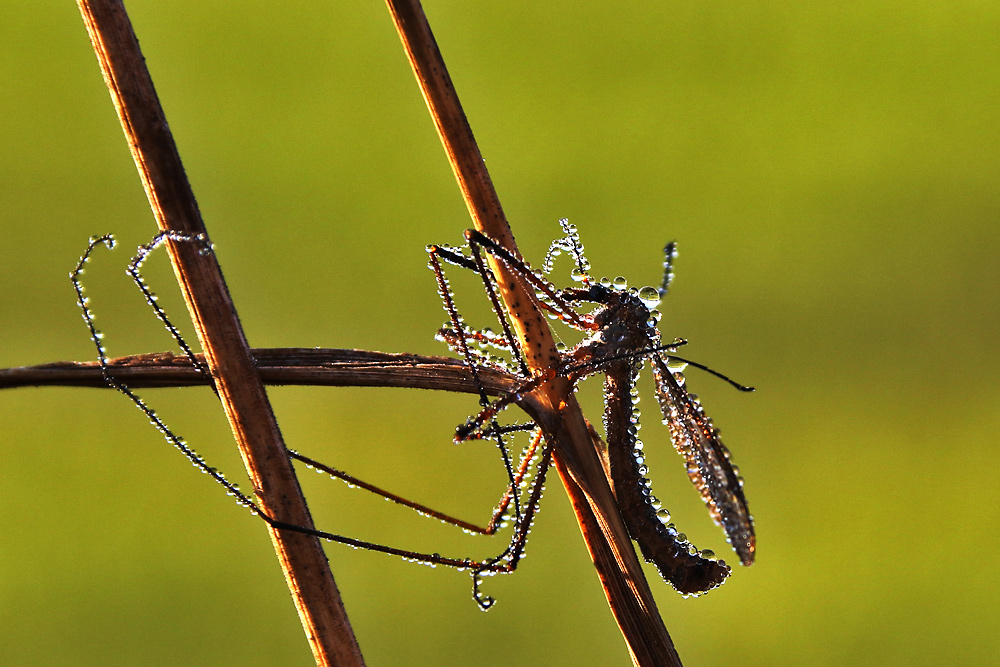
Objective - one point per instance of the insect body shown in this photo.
(627, 334)
(621, 332)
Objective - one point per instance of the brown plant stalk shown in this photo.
(275, 366)
(227, 353)
(576, 450)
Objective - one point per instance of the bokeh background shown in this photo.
(828, 169)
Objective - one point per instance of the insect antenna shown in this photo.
(594, 365)
(669, 255)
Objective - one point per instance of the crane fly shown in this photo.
(620, 335)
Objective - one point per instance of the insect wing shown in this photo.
(707, 459)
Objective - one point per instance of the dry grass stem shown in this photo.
(577, 457)
(237, 383)
(276, 366)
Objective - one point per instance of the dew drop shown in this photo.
(619, 283)
(649, 296)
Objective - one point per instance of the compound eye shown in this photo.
(615, 332)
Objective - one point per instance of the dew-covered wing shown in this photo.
(707, 459)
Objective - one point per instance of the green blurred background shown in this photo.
(828, 169)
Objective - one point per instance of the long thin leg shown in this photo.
(473, 428)
(444, 290)
(489, 282)
(489, 529)
(506, 561)
(231, 488)
(134, 268)
(570, 243)
(563, 310)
